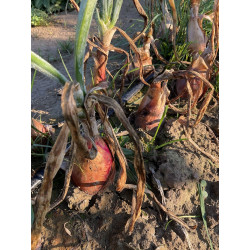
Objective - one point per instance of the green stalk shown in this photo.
(33, 80)
(46, 68)
(116, 12)
(85, 15)
(105, 11)
(169, 142)
(107, 20)
(162, 118)
(101, 25)
(65, 66)
(150, 144)
(110, 7)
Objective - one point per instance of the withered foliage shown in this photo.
(88, 148)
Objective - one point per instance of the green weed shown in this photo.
(53, 6)
(67, 46)
(65, 66)
(39, 18)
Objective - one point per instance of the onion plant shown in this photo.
(106, 20)
(153, 103)
(107, 15)
(92, 157)
(195, 33)
(204, 54)
(192, 82)
(152, 106)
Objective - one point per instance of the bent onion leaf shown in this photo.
(46, 68)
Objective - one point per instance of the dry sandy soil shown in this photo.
(98, 222)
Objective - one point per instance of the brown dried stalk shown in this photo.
(81, 154)
(159, 186)
(180, 74)
(187, 238)
(174, 15)
(212, 133)
(66, 181)
(208, 98)
(190, 98)
(213, 158)
(111, 137)
(145, 53)
(198, 65)
(142, 12)
(43, 198)
(138, 159)
(75, 5)
(85, 61)
(203, 108)
(98, 47)
(146, 59)
(150, 34)
(169, 213)
(136, 51)
(121, 51)
(70, 114)
(159, 57)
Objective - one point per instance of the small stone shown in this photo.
(163, 247)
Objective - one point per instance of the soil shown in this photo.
(98, 222)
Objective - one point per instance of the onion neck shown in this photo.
(101, 58)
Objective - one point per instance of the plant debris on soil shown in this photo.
(82, 221)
